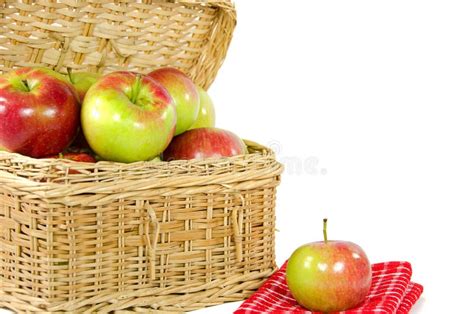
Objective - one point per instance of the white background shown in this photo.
(381, 94)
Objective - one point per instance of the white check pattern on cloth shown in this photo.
(391, 292)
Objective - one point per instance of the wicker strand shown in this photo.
(237, 226)
(152, 244)
(63, 49)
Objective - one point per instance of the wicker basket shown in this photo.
(165, 236)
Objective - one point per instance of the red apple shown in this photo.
(204, 143)
(329, 276)
(207, 116)
(39, 112)
(128, 117)
(184, 93)
(79, 157)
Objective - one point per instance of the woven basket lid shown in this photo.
(111, 35)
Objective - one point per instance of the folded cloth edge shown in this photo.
(404, 301)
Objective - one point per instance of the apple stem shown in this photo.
(69, 74)
(136, 88)
(325, 224)
(25, 84)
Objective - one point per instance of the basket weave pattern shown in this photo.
(163, 236)
(102, 237)
(106, 35)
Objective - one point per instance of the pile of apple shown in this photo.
(122, 116)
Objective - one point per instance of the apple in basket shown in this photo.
(82, 81)
(128, 117)
(204, 143)
(79, 157)
(39, 112)
(184, 93)
(207, 116)
(329, 276)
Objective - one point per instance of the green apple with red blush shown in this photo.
(329, 276)
(204, 143)
(128, 117)
(207, 116)
(82, 81)
(185, 95)
(39, 112)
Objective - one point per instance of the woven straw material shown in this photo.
(148, 236)
(168, 236)
(110, 35)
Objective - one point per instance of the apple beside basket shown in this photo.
(171, 236)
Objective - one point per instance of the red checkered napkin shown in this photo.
(391, 292)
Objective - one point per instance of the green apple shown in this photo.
(82, 81)
(207, 116)
(128, 117)
(184, 93)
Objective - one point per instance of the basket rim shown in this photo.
(241, 172)
(256, 147)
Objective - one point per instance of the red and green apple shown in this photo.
(184, 93)
(207, 116)
(39, 112)
(204, 143)
(329, 276)
(128, 117)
